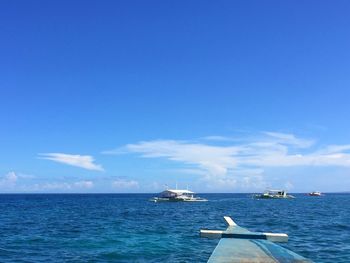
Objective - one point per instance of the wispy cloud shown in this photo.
(51, 186)
(19, 182)
(214, 159)
(82, 161)
(234, 162)
(289, 139)
(218, 138)
(58, 186)
(84, 184)
(335, 149)
(9, 180)
(122, 183)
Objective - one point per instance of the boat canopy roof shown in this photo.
(274, 190)
(178, 191)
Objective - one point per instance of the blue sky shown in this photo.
(127, 96)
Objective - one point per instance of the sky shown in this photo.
(135, 96)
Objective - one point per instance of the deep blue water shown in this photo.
(128, 228)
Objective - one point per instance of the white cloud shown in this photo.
(125, 184)
(217, 138)
(290, 139)
(335, 149)
(25, 176)
(52, 186)
(189, 171)
(228, 165)
(19, 182)
(9, 180)
(56, 186)
(84, 184)
(82, 161)
(213, 159)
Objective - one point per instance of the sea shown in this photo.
(129, 228)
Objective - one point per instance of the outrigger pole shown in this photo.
(238, 244)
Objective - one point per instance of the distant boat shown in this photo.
(273, 194)
(315, 193)
(177, 195)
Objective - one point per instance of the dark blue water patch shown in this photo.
(129, 228)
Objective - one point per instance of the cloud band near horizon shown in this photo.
(239, 156)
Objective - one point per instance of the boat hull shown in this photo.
(159, 199)
(273, 197)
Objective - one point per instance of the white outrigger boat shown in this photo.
(315, 193)
(177, 195)
(273, 194)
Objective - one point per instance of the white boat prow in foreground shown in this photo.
(177, 195)
(238, 245)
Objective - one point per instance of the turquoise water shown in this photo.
(128, 228)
